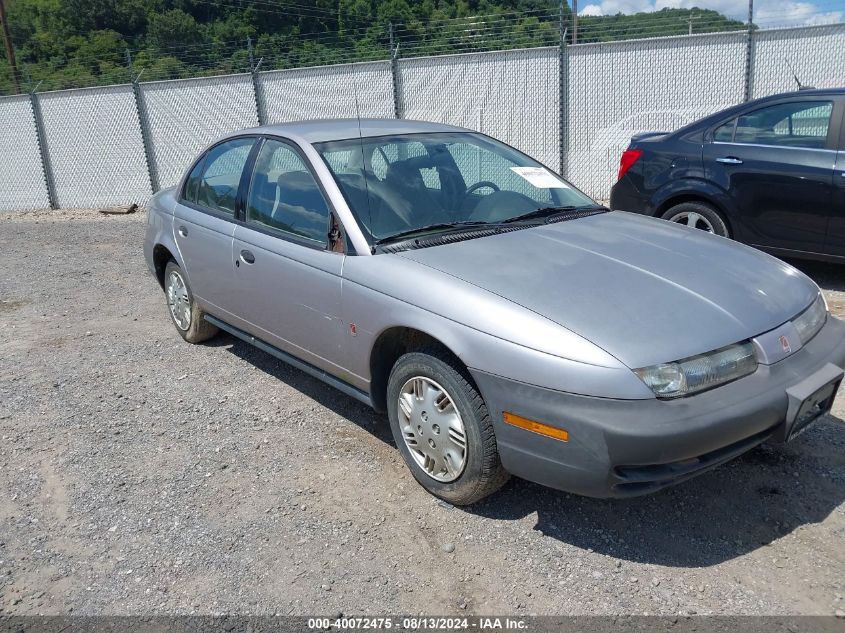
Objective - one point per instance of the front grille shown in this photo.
(643, 479)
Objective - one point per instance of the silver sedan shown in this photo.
(506, 322)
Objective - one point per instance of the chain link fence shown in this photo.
(22, 184)
(186, 115)
(618, 89)
(573, 107)
(817, 54)
(325, 92)
(94, 145)
(510, 95)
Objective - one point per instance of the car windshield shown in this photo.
(424, 183)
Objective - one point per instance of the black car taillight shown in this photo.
(629, 157)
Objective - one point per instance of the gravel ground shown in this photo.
(141, 475)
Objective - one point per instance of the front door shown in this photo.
(775, 164)
(204, 225)
(288, 276)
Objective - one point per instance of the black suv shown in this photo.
(770, 173)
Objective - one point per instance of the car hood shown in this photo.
(644, 290)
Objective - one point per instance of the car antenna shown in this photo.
(363, 156)
(795, 77)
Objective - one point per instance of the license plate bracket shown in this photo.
(810, 399)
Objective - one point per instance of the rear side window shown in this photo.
(799, 124)
(285, 196)
(217, 187)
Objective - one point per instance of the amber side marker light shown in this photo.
(536, 427)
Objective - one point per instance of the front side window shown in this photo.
(217, 188)
(799, 124)
(285, 196)
(396, 184)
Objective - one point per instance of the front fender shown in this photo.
(373, 313)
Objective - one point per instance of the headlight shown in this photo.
(697, 373)
(809, 322)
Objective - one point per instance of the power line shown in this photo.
(442, 35)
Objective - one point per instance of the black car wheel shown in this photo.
(698, 215)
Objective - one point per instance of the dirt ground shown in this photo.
(143, 475)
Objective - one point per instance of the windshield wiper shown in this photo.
(550, 212)
(545, 212)
(440, 226)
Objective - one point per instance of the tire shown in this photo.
(191, 326)
(420, 379)
(702, 215)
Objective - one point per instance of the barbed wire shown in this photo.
(501, 30)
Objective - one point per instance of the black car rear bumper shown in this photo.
(624, 196)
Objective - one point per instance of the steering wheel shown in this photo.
(480, 185)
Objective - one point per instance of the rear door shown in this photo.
(287, 268)
(204, 224)
(836, 231)
(776, 164)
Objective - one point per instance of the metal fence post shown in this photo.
(144, 124)
(394, 73)
(43, 152)
(749, 54)
(257, 89)
(563, 94)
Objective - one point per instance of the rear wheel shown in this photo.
(442, 428)
(185, 314)
(698, 215)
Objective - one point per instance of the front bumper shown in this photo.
(623, 448)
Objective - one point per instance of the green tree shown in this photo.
(173, 28)
(67, 43)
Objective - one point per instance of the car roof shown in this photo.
(704, 122)
(803, 92)
(321, 130)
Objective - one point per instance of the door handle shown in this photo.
(248, 257)
(729, 160)
(183, 231)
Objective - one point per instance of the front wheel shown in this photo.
(442, 428)
(698, 215)
(185, 314)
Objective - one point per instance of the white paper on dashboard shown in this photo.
(540, 177)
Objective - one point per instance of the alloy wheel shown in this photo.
(693, 220)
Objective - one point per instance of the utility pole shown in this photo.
(574, 21)
(692, 16)
(10, 49)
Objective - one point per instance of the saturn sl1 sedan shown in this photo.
(506, 322)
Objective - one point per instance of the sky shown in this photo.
(767, 13)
